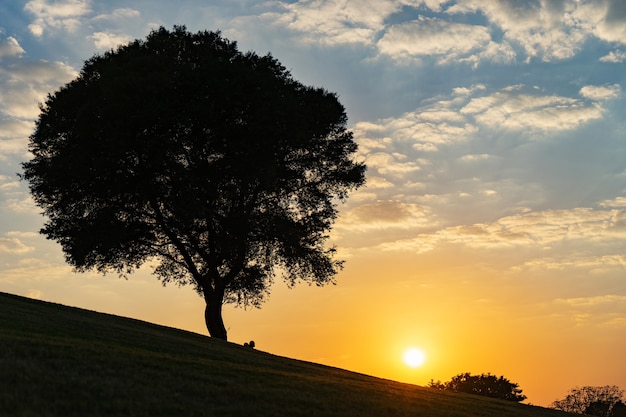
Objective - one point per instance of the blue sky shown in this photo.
(494, 136)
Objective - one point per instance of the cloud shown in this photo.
(384, 215)
(108, 40)
(612, 26)
(601, 93)
(10, 48)
(459, 117)
(118, 14)
(513, 108)
(617, 202)
(26, 83)
(338, 22)
(430, 36)
(20, 202)
(63, 14)
(537, 230)
(614, 56)
(14, 246)
(8, 183)
(391, 164)
(427, 36)
(14, 137)
(547, 30)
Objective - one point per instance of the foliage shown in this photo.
(61, 361)
(486, 385)
(592, 400)
(213, 163)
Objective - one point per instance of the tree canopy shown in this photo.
(486, 385)
(215, 164)
(601, 401)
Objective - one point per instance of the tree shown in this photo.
(486, 385)
(215, 165)
(591, 400)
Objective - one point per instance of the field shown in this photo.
(62, 361)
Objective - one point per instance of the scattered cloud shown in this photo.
(543, 30)
(26, 84)
(449, 42)
(14, 246)
(428, 36)
(109, 40)
(617, 202)
(117, 14)
(10, 48)
(614, 56)
(611, 25)
(600, 93)
(63, 14)
(384, 215)
(335, 22)
(516, 108)
(8, 183)
(533, 230)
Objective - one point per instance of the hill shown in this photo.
(63, 361)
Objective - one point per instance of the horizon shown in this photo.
(490, 233)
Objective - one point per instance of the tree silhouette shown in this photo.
(486, 385)
(214, 164)
(602, 401)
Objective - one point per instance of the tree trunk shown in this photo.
(213, 313)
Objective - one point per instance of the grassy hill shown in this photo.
(62, 361)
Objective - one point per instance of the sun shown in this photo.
(414, 357)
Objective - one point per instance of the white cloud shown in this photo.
(543, 29)
(63, 14)
(10, 48)
(427, 36)
(614, 56)
(8, 183)
(20, 202)
(475, 157)
(617, 202)
(117, 14)
(601, 93)
(612, 26)
(335, 22)
(390, 164)
(26, 84)
(531, 230)
(547, 29)
(11, 128)
(514, 109)
(108, 40)
(14, 246)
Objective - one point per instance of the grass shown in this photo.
(62, 361)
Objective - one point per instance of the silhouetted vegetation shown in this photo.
(216, 164)
(603, 401)
(486, 385)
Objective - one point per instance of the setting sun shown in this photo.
(414, 357)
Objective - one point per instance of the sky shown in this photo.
(491, 233)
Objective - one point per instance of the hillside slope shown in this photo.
(62, 361)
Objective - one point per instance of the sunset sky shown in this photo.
(491, 233)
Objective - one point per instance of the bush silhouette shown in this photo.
(486, 385)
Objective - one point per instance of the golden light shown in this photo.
(414, 357)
